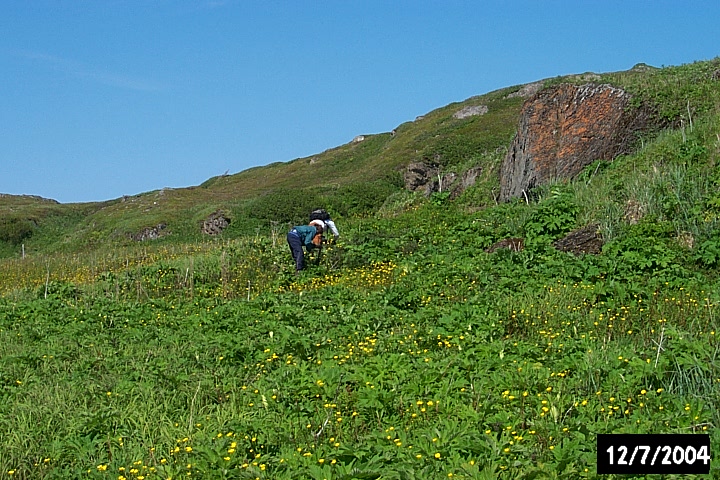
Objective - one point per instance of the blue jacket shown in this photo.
(306, 234)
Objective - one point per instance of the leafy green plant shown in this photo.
(552, 217)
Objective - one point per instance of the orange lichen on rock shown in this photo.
(563, 129)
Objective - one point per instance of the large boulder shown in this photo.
(563, 129)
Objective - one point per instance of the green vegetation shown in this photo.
(407, 351)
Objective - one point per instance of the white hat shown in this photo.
(318, 224)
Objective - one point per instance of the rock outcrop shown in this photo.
(215, 223)
(150, 233)
(527, 90)
(427, 178)
(418, 176)
(466, 181)
(563, 129)
(512, 244)
(581, 241)
(470, 111)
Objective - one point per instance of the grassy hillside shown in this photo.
(407, 351)
(35, 220)
(355, 178)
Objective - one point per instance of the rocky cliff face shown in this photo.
(421, 177)
(564, 128)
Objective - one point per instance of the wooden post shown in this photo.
(223, 273)
(319, 253)
(47, 278)
(192, 277)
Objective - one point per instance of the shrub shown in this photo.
(284, 205)
(553, 217)
(15, 230)
(362, 198)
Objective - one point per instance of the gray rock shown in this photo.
(471, 111)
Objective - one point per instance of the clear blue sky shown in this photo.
(100, 99)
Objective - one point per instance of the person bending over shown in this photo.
(308, 236)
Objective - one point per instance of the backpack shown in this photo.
(319, 214)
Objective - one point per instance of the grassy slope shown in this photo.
(167, 345)
(436, 137)
(678, 92)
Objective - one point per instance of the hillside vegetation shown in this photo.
(406, 350)
(357, 178)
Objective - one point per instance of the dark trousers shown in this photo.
(296, 250)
